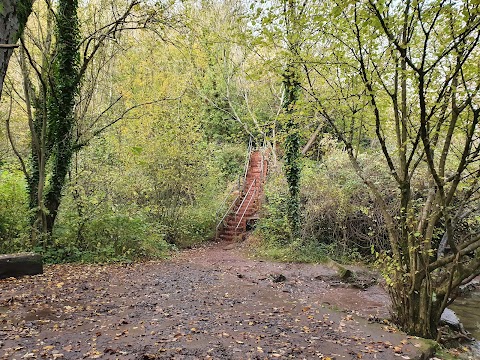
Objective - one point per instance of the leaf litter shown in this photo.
(195, 306)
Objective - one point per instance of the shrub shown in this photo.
(109, 236)
(337, 207)
(273, 227)
(339, 219)
(13, 212)
(230, 161)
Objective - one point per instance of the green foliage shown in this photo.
(230, 161)
(336, 205)
(273, 227)
(13, 212)
(24, 8)
(218, 125)
(196, 225)
(108, 237)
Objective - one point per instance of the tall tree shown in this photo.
(61, 102)
(291, 82)
(13, 18)
(55, 120)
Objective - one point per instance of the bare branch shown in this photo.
(79, 145)
(12, 142)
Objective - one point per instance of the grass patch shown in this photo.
(294, 252)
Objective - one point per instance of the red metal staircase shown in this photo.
(247, 203)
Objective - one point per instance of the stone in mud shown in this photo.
(277, 278)
(14, 265)
(451, 319)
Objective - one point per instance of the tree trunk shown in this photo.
(416, 313)
(292, 89)
(312, 139)
(61, 103)
(292, 151)
(13, 17)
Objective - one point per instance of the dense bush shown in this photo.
(108, 236)
(146, 202)
(161, 201)
(230, 161)
(339, 219)
(274, 233)
(273, 224)
(337, 207)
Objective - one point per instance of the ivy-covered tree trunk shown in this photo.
(292, 142)
(292, 150)
(53, 121)
(61, 103)
(13, 17)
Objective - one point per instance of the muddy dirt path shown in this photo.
(207, 303)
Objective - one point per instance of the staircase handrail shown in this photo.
(245, 197)
(225, 215)
(248, 204)
(261, 168)
(230, 192)
(247, 162)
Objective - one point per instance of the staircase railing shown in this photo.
(240, 185)
(254, 182)
(247, 160)
(221, 208)
(264, 146)
(261, 168)
(217, 229)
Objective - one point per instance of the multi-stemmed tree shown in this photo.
(407, 73)
(52, 87)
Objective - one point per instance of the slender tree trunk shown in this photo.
(312, 139)
(36, 107)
